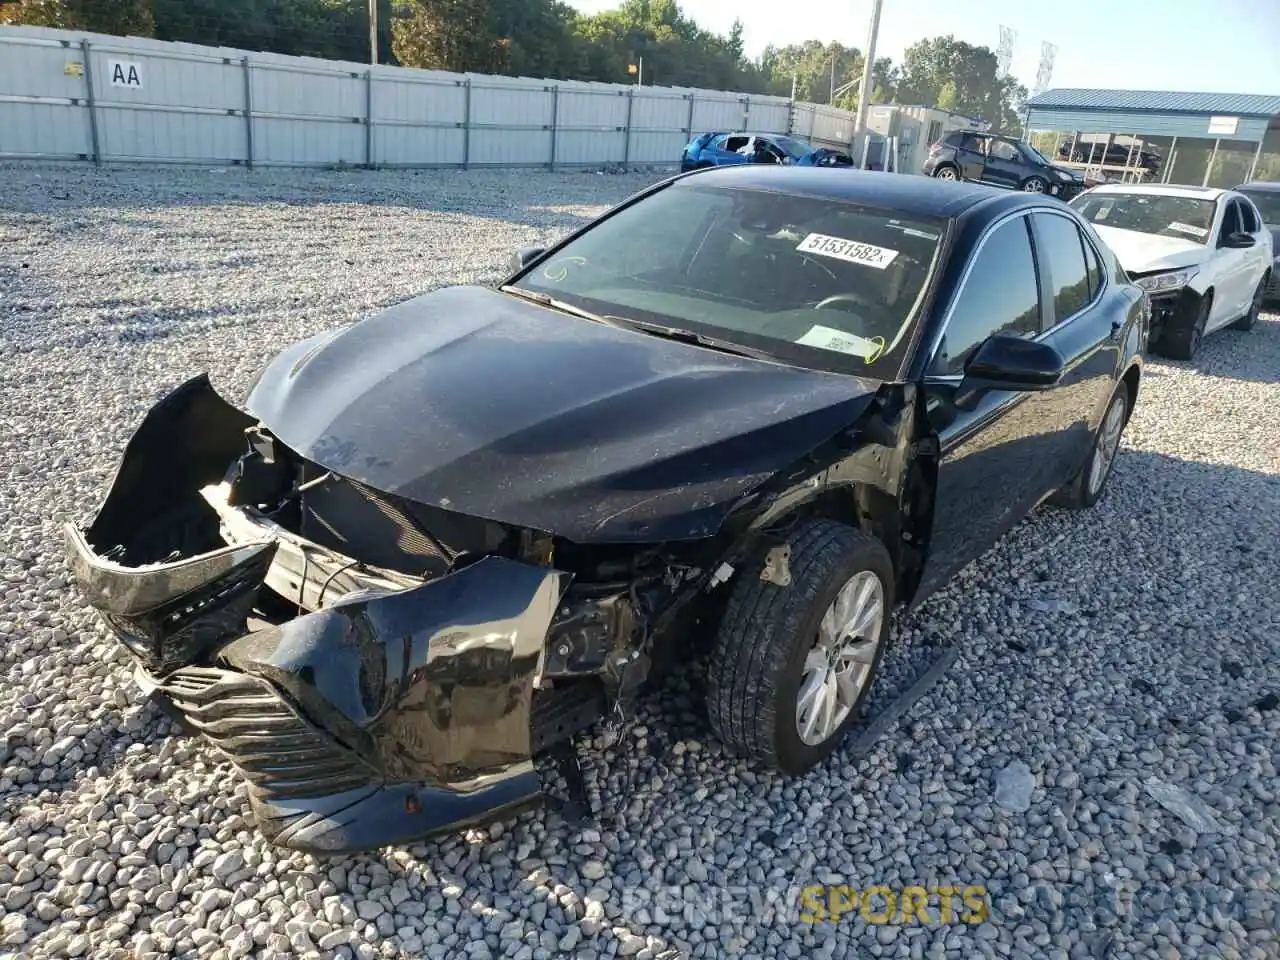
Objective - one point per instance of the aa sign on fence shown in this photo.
(125, 73)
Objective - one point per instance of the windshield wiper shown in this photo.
(644, 326)
(698, 339)
(544, 300)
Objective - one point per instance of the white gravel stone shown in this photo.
(1132, 644)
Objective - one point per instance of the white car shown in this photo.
(1203, 256)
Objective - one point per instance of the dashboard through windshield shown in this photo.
(808, 280)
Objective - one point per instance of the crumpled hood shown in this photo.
(1145, 252)
(480, 403)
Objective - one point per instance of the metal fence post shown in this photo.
(89, 99)
(466, 124)
(248, 112)
(555, 123)
(746, 113)
(626, 145)
(368, 118)
(688, 127)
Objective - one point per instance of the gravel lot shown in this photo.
(1128, 659)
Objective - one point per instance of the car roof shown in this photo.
(1260, 186)
(1162, 190)
(904, 193)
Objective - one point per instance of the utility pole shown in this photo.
(864, 90)
(373, 32)
(831, 98)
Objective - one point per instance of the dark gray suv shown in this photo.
(1000, 162)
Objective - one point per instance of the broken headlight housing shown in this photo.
(1168, 281)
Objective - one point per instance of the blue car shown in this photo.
(724, 149)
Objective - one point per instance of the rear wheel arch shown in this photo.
(1132, 380)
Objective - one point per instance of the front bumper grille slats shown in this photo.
(279, 753)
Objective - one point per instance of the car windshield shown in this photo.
(1268, 204)
(795, 149)
(1187, 218)
(807, 280)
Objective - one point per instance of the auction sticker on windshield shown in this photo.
(1188, 228)
(850, 250)
(829, 338)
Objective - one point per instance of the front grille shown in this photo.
(281, 755)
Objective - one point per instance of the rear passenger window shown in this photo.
(1000, 295)
(1061, 254)
(1093, 267)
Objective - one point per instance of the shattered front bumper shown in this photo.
(380, 719)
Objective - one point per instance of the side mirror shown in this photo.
(1239, 241)
(1007, 362)
(525, 256)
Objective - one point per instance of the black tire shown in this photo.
(757, 659)
(941, 171)
(1246, 322)
(1035, 185)
(1182, 334)
(1077, 495)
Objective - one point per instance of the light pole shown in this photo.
(864, 90)
(373, 32)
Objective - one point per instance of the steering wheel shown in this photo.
(842, 298)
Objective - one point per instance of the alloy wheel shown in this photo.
(1033, 185)
(839, 665)
(1108, 442)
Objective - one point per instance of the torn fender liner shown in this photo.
(400, 715)
(185, 442)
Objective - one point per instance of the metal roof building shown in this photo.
(1207, 122)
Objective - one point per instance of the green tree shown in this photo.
(119, 17)
(965, 77)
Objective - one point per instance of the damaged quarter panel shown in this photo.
(534, 418)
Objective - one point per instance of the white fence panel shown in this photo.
(719, 112)
(73, 95)
(769, 116)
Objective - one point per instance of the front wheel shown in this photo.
(1249, 319)
(1183, 332)
(791, 665)
(1034, 185)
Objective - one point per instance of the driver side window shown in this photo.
(1230, 221)
(1000, 295)
(1003, 150)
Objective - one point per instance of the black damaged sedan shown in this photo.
(755, 405)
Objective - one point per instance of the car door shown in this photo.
(998, 459)
(1262, 251)
(1083, 327)
(971, 155)
(1004, 165)
(731, 148)
(1230, 268)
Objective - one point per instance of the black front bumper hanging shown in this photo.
(374, 721)
(368, 723)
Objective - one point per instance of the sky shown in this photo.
(1219, 46)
